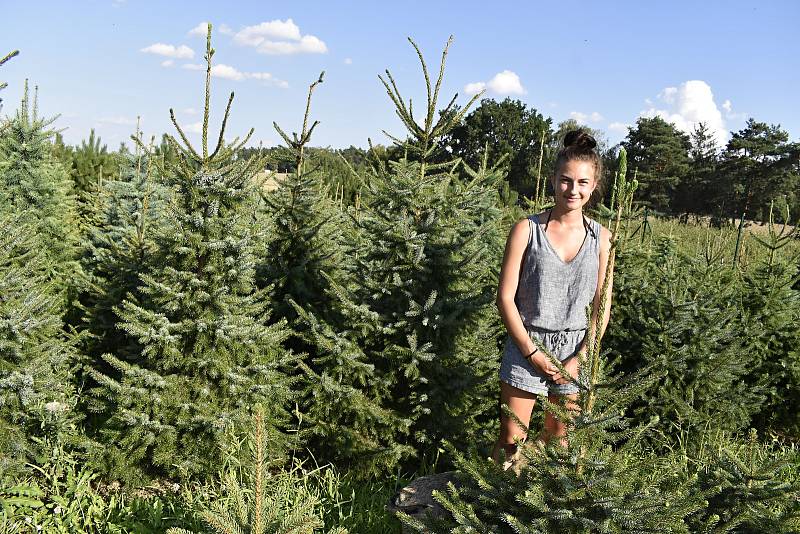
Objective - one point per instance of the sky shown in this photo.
(101, 64)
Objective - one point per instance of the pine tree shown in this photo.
(37, 400)
(697, 193)
(91, 163)
(758, 165)
(207, 354)
(602, 481)
(406, 353)
(659, 153)
(34, 183)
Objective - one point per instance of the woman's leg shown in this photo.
(521, 403)
(553, 428)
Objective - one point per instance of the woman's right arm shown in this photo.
(516, 245)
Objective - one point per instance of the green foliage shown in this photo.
(3, 85)
(119, 247)
(306, 229)
(259, 501)
(404, 353)
(700, 191)
(771, 300)
(659, 154)
(682, 314)
(208, 353)
(35, 185)
(752, 487)
(504, 128)
(37, 400)
(759, 165)
(62, 495)
(92, 163)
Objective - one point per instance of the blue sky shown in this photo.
(100, 64)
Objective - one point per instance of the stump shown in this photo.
(416, 499)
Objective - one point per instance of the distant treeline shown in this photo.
(679, 174)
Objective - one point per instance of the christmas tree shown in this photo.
(36, 185)
(208, 353)
(37, 400)
(306, 230)
(406, 350)
(118, 248)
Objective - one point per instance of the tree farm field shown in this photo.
(230, 321)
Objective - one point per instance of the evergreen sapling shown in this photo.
(208, 353)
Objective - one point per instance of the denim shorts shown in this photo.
(518, 372)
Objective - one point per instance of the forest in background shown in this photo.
(181, 347)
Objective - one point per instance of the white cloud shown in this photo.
(279, 37)
(201, 30)
(189, 111)
(730, 114)
(688, 105)
(474, 88)
(228, 72)
(168, 50)
(619, 127)
(119, 120)
(195, 127)
(506, 83)
(503, 83)
(348, 61)
(308, 44)
(584, 118)
(275, 29)
(168, 63)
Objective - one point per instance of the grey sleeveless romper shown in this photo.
(552, 296)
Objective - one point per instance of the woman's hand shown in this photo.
(571, 365)
(543, 364)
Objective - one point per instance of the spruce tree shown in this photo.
(602, 481)
(37, 399)
(406, 353)
(35, 184)
(772, 311)
(207, 353)
(752, 487)
(119, 246)
(683, 314)
(305, 240)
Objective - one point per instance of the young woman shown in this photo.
(554, 266)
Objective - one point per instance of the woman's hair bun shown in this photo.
(579, 139)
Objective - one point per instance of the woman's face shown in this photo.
(574, 184)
